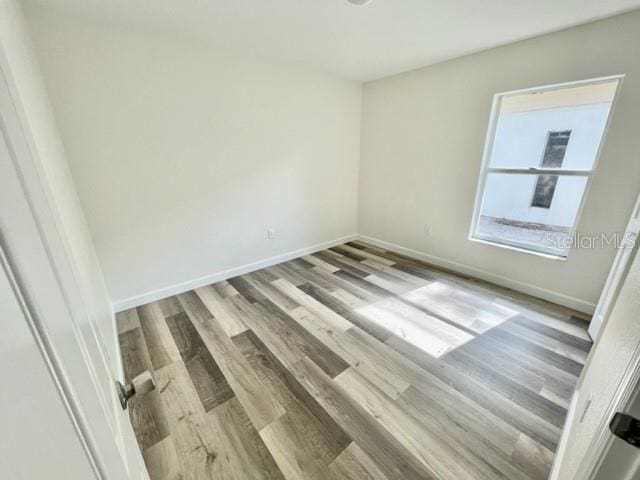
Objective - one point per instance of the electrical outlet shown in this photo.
(271, 233)
(427, 230)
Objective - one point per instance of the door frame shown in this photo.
(601, 443)
(617, 274)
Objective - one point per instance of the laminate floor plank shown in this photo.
(378, 267)
(299, 264)
(244, 287)
(397, 287)
(354, 253)
(317, 276)
(318, 262)
(352, 363)
(127, 320)
(535, 351)
(449, 406)
(379, 292)
(215, 303)
(348, 299)
(209, 382)
(366, 254)
(527, 422)
(264, 286)
(162, 460)
(354, 464)
(565, 338)
(425, 332)
(170, 306)
(222, 444)
(438, 297)
(282, 271)
(413, 269)
(510, 366)
(302, 444)
(260, 407)
(389, 454)
(368, 267)
(147, 415)
(515, 392)
(485, 460)
(288, 391)
(292, 342)
(554, 345)
(179, 395)
(160, 345)
(372, 365)
(341, 263)
(558, 321)
(511, 359)
(372, 328)
(424, 444)
(352, 289)
(224, 289)
(308, 302)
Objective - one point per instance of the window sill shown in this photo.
(515, 248)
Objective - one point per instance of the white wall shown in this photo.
(184, 156)
(423, 133)
(520, 141)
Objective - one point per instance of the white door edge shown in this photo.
(617, 273)
(46, 350)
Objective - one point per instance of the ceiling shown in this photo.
(355, 42)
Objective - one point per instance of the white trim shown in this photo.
(557, 86)
(564, 438)
(119, 373)
(617, 275)
(549, 295)
(517, 248)
(152, 296)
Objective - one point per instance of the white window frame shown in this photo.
(485, 168)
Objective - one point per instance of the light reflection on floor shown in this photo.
(473, 312)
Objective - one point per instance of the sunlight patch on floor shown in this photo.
(465, 308)
(425, 332)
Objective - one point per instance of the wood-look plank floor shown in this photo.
(352, 363)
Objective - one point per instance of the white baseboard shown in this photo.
(545, 294)
(152, 296)
(549, 295)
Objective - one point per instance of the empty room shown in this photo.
(319, 240)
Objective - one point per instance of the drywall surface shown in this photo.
(423, 135)
(183, 156)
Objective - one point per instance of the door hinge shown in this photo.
(627, 428)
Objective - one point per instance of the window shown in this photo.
(540, 155)
(553, 156)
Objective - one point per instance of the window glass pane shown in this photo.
(508, 214)
(559, 128)
(556, 149)
(544, 191)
